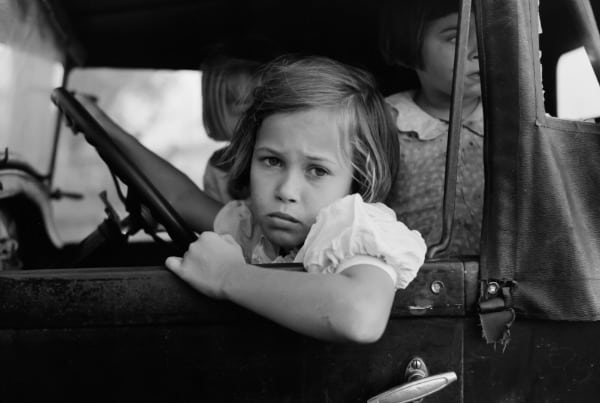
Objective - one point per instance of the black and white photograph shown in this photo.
(286, 201)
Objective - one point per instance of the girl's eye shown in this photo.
(318, 171)
(271, 161)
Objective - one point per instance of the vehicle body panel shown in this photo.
(151, 337)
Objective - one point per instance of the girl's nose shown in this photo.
(473, 53)
(288, 188)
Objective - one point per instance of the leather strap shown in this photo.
(496, 313)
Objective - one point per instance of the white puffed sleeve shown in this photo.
(235, 219)
(350, 232)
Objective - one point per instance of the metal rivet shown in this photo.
(437, 286)
(493, 288)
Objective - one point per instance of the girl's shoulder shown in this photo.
(402, 99)
(218, 159)
(403, 105)
(215, 183)
(412, 121)
(235, 218)
(350, 228)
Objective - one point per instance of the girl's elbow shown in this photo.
(364, 335)
(368, 332)
(363, 325)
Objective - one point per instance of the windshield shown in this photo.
(30, 66)
(161, 108)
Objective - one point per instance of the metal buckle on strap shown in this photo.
(496, 313)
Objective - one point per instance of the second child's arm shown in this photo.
(351, 306)
(194, 206)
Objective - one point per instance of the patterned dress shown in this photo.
(419, 191)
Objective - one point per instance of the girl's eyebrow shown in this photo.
(312, 158)
(267, 149)
(448, 29)
(321, 159)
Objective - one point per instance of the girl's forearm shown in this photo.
(194, 206)
(351, 306)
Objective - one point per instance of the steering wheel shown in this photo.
(83, 115)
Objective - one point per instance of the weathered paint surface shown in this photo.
(546, 361)
(151, 295)
(142, 334)
(227, 362)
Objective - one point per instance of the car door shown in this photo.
(540, 241)
(139, 333)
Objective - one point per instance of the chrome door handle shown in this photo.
(420, 384)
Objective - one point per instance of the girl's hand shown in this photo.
(208, 262)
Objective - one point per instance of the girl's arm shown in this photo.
(194, 206)
(351, 306)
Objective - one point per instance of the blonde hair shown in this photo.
(292, 83)
(227, 83)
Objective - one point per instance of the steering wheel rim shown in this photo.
(85, 116)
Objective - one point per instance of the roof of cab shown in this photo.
(178, 34)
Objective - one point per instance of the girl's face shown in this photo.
(439, 39)
(297, 169)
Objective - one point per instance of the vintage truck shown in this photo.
(99, 318)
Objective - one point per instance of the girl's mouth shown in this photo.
(284, 217)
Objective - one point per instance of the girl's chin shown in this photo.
(285, 241)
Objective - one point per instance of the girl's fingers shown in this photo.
(173, 263)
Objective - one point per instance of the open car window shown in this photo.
(161, 108)
(571, 89)
(577, 89)
(30, 66)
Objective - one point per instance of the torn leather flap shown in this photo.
(496, 314)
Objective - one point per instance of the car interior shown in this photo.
(256, 32)
(180, 36)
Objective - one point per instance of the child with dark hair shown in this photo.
(421, 35)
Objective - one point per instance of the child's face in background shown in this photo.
(297, 169)
(439, 39)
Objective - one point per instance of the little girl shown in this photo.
(227, 84)
(421, 35)
(312, 159)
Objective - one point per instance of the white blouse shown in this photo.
(346, 233)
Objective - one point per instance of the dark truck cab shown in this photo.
(116, 325)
